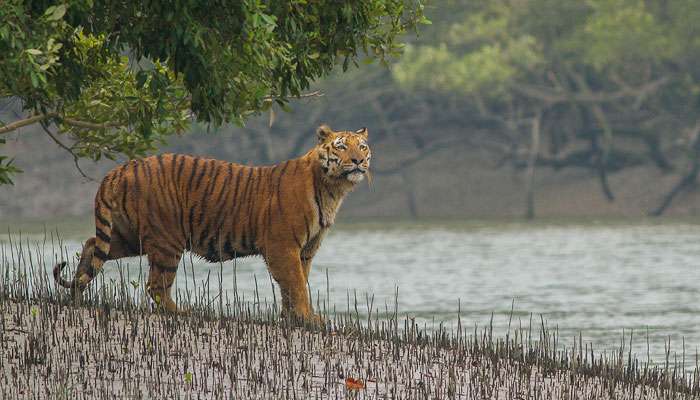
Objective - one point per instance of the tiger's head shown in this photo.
(343, 155)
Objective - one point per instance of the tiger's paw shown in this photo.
(311, 320)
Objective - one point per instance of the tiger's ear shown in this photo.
(363, 132)
(323, 133)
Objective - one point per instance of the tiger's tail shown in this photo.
(59, 279)
(95, 251)
(103, 238)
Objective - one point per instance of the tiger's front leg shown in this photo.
(308, 253)
(286, 268)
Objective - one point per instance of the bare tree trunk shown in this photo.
(410, 193)
(602, 151)
(601, 144)
(531, 164)
(690, 177)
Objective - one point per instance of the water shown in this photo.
(599, 280)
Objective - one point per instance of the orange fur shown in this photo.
(163, 205)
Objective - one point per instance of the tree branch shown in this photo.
(68, 149)
(23, 122)
(315, 93)
(688, 179)
(66, 120)
(87, 124)
(550, 96)
(421, 156)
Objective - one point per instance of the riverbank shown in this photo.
(115, 345)
(51, 349)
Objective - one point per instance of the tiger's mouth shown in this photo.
(354, 175)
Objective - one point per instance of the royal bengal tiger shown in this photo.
(162, 205)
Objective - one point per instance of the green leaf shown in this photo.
(141, 78)
(34, 52)
(57, 13)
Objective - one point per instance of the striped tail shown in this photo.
(95, 253)
(59, 279)
(103, 237)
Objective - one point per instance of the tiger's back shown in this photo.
(192, 203)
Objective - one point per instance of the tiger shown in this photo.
(161, 206)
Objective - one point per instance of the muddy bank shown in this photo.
(51, 350)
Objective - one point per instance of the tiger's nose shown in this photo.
(357, 161)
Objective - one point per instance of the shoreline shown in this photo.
(52, 349)
(115, 345)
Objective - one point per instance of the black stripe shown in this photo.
(100, 254)
(170, 190)
(279, 188)
(308, 229)
(236, 200)
(165, 268)
(102, 236)
(180, 165)
(154, 197)
(320, 210)
(248, 182)
(228, 249)
(268, 212)
(210, 187)
(160, 164)
(318, 203)
(125, 191)
(163, 182)
(202, 173)
(130, 246)
(213, 255)
(225, 188)
(101, 219)
(296, 239)
(251, 210)
(102, 198)
(147, 168)
(120, 172)
(243, 241)
(244, 195)
(194, 169)
(90, 271)
(204, 234)
(191, 222)
(284, 169)
(137, 184)
(218, 219)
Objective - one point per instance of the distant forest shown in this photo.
(499, 108)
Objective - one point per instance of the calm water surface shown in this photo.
(594, 278)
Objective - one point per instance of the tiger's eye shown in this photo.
(338, 144)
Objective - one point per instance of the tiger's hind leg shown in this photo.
(161, 276)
